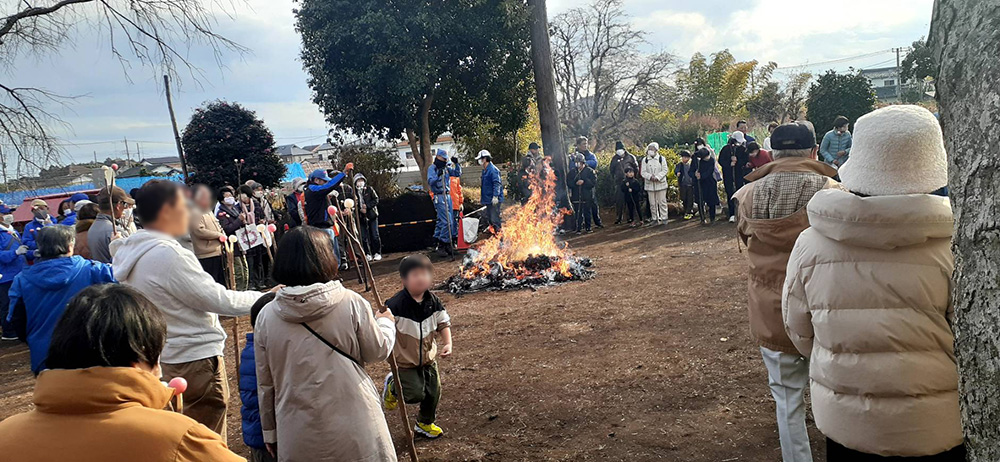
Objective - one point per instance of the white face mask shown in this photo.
(258, 194)
(482, 162)
(8, 220)
(361, 185)
(620, 152)
(699, 147)
(301, 188)
(229, 200)
(127, 214)
(651, 152)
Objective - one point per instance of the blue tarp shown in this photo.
(293, 171)
(16, 197)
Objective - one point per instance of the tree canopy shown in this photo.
(919, 63)
(414, 68)
(220, 135)
(850, 95)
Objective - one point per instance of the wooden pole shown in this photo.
(173, 123)
(393, 366)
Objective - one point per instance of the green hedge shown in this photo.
(605, 184)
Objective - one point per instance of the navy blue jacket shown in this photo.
(253, 435)
(440, 178)
(490, 186)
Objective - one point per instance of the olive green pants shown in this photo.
(240, 272)
(421, 385)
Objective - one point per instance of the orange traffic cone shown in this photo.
(462, 245)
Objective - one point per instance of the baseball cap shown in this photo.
(319, 174)
(794, 135)
(117, 195)
(534, 145)
(79, 197)
(80, 203)
(484, 153)
(39, 203)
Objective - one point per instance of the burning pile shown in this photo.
(525, 253)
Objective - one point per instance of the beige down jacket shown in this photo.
(867, 299)
(315, 403)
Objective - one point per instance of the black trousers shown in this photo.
(732, 180)
(213, 266)
(687, 198)
(838, 453)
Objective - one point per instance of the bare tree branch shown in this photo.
(149, 32)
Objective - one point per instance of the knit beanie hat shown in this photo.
(619, 145)
(896, 150)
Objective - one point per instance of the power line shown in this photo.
(834, 61)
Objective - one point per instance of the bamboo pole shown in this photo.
(393, 366)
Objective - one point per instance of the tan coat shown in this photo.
(106, 414)
(772, 213)
(81, 247)
(205, 233)
(315, 403)
(868, 301)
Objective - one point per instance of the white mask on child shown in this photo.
(651, 152)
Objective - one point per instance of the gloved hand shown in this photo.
(496, 200)
(335, 193)
(21, 250)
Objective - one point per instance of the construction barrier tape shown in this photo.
(407, 223)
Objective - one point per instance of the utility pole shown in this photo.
(127, 154)
(545, 87)
(899, 92)
(173, 122)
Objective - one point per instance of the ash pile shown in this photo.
(534, 271)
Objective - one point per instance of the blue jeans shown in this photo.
(370, 237)
(443, 228)
(336, 247)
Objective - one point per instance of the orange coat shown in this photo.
(106, 414)
(456, 192)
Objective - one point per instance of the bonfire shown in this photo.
(524, 254)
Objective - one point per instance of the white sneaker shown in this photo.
(378, 257)
(368, 257)
(732, 219)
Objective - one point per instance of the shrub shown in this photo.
(378, 164)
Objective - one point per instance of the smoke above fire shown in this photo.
(525, 252)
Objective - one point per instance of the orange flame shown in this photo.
(527, 230)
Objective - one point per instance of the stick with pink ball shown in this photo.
(179, 384)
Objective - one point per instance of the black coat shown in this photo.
(726, 156)
(620, 163)
(708, 185)
(292, 206)
(632, 187)
(586, 190)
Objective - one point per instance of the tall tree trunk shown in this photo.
(420, 144)
(965, 35)
(545, 86)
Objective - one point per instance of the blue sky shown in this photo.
(270, 79)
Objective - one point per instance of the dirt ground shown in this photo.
(651, 360)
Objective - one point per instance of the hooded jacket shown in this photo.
(867, 299)
(317, 404)
(771, 214)
(105, 414)
(191, 301)
(654, 171)
(39, 295)
(11, 263)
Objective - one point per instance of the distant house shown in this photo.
(154, 162)
(444, 141)
(885, 79)
(291, 154)
(321, 151)
(144, 170)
